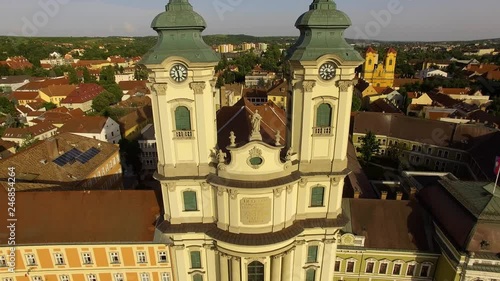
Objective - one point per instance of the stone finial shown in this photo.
(232, 139)
(278, 138)
(289, 154)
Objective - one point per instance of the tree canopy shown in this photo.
(369, 146)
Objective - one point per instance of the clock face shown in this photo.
(327, 71)
(179, 73)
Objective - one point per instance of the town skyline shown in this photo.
(395, 20)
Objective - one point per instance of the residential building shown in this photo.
(108, 237)
(462, 149)
(258, 192)
(39, 131)
(56, 93)
(81, 98)
(430, 72)
(225, 48)
(7, 149)
(259, 77)
(24, 98)
(278, 94)
(397, 247)
(17, 63)
(133, 86)
(35, 86)
(466, 218)
(57, 116)
(66, 162)
(149, 152)
(231, 94)
(139, 114)
(247, 46)
(95, 127)
(12, 83)
(380, 74)
(464, 94)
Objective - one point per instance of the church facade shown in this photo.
(380, 73)
(251, 193)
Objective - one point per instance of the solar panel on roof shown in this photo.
(88, 155)
(67, 157)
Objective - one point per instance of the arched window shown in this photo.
(370, 62)
(311, 274)
(190, 203)
(390, 62)
(324, 115)
(317, 196)
(182, 119)
(255, 271)
(197, 277)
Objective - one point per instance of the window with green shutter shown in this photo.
(311, 274)
(324, 115)
(197, 277)
(190, 203)
(317, 196)
(312, 254)
(182, 119)
(195, 259)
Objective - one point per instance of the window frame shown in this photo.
(64, 277)
(414, 264)
(142, 257)
(30, 257)
(91, 275)
(165, 276)
(37, 278)
(313, 277)
(254, 274)
(113, 255)
(394, 268)
(313, 202)
(144, 276)
(160, 254)
(177, 124)
(380, 267)
(118, 277)
(89, 256)
(311, 259)
(323, 106)
(59, 259)
(373, 266)
(3, 261)
(429, 266)
(353, 261)
(191, 192)
(339, 261)
(197, 277)
(192, 264)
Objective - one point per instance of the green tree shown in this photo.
(27, 142)
(49, 105)
(140, 74)
(107, 75)
(73, 77)
(369, 146)
(395, 151)
(356, 104)
(101, 102)
(87, 78)
(6, 106)
(115, 92)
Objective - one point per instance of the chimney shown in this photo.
(52, 149)
(413, 192)
(357, 194)
(399, 195)
(384, 195)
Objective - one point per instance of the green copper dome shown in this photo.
(178, 14)
(179, 34)
(321, 33)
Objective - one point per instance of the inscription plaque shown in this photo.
(255, 211)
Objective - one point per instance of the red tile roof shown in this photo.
(59, 115)
(19, 62)
(84, 93)
(237, 119)
(18, 96)
(58, 90)
(35, 86)
(370, 50)
(34, 131)
(108, 217)
(131, 85)
(85, 125)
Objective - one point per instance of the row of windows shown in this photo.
(383, 268)
(165, 276)
(147, 145)
(183, 117)
(418, 148)
(114, 258)
(191, 203)
(149, 154)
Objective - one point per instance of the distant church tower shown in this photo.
(249, 195)
(380, 74)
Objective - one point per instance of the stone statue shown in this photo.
(256, 119)
(232, 139)
(221, 156)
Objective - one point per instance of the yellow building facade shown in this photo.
(113, 262)
(377, 73)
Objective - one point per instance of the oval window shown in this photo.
(256, 161)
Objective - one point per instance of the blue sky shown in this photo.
(374, 19)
